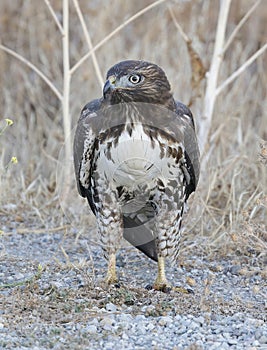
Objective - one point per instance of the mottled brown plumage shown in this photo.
(137, 161)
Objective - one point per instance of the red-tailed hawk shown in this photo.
(137, 161)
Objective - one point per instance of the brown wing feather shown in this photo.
(85, 137)
(190, 145)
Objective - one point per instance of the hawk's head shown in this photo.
(137, 81)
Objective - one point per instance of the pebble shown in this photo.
(181, 330)
(92, 329)
(137, 326)
(106, 322)
(165, 320)
(263, 339)
(111, 307)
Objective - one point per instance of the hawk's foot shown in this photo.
(162, 283)
(166, 287)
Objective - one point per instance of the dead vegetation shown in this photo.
(46, 79)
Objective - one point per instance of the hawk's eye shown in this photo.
(135, 78)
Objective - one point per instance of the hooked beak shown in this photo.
(109, 85)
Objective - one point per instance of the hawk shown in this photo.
(136, 160)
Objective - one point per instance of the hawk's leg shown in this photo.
(111, 277)
(168, 223)
(111, 232)
(161, 282)
(109, 222)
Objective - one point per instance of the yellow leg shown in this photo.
(111, 277)
(161, 282)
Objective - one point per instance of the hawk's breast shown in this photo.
(136, 159)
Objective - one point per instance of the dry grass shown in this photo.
(229, 209)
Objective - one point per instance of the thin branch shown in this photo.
(210, 96)
(110, 35)
(51, 10)
(240, 69)
(66, 79)
(44, 230)
(34, 68)
(177, 25)
(198, 70)
(89, 42)
(240, 24)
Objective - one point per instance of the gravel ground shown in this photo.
(52, 297)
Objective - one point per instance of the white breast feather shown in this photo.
(134, 161)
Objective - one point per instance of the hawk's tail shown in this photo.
(140, 236)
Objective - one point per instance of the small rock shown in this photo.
(56, 284)
(256, 343)
(124, 336)
(92, 329)
(107, 323)
(200, 320)
(140, 318)
(181, 330)
(232, 341)
(193, 325)
(150, 326)
(19, 276)
(165, 320)
(263, 339)
(177, 317)
(235, 269)
(126, 317)
(150, 309)
(111, 307)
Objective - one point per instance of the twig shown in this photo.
(34, 68)
(177, 25)
(29, 280)
(240, 24)
(198, 70)
(89, 42)
(210, 96)
(44, 230)
(50, 8)
(115, 31)
(240, 69)
(66, 80)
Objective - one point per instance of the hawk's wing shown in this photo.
(190, 146)
(84, 141)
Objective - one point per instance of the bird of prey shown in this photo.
(136, 160)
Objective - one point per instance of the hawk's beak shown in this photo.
(109, 85)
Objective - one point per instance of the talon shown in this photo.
(165, 288)
(183, 290)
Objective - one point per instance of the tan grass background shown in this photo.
(228, 213)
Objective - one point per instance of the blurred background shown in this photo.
(228, 211)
